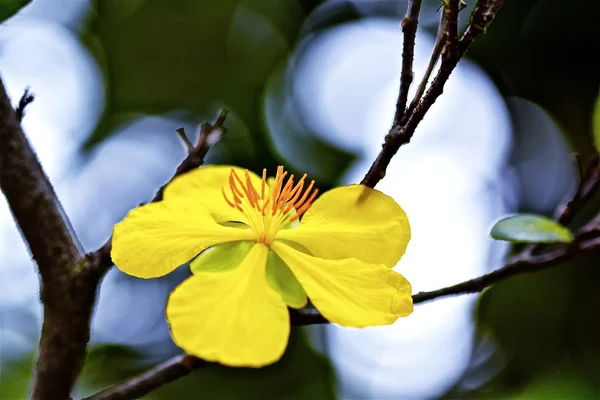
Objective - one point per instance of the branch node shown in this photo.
(186, 141)
(25, 100)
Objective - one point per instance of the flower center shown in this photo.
(268, 209)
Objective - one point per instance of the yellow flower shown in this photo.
(254, 257)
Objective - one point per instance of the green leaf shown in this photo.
(8, 8)
(529, 228)
(283, 281)
(596, 123)
(220, 258)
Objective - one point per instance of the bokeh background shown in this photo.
(312, 85)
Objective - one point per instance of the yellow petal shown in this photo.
(156, 238)
(350, 292)
(353, 222)
(232, 317)
(204, 184)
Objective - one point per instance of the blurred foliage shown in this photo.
(527, 228)
(160, 56)
(8, 8)
(107, 365)
(545, 51)
(15, 378)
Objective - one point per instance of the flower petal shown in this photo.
(156, 238)
(204, 185)
(353, 222)
(350, 292)
(232, 317)
(282, 280)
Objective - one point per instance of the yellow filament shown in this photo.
(268, 212)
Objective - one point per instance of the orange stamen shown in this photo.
(263, 184)
(306, 193)
(231, 203)
(305, 206)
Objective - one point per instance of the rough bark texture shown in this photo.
(68, 300)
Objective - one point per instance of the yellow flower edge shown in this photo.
(338, 250)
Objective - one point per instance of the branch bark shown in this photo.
(143, 384)
(47, 231)
(209, 134)
(401, 134)
(409, 29)
(69, 279)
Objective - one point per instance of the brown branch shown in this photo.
(47, 231)
(209, 134)
(588, 187)
(26, 99)
(409, 29)
(143, 384)
(400, 135)
(440, 40)
(451, 8)
(482, 16)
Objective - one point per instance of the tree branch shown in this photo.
(69, 279)
(409, 29)
(143, 384)
(209, 134)
(47, 231)
(401, 134)
(26, 99)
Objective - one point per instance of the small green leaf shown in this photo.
(283, 281)
(220, 258)
(8, 8)
(596, 123)
(529, 228)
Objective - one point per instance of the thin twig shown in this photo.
(588, 187)
(440, 40)
(209, 134)
(482, 16)
(26, 99)
(451, 9)
(400, 135)
(189, 146)
(143, 384)
(47, 231)
(409, 30)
